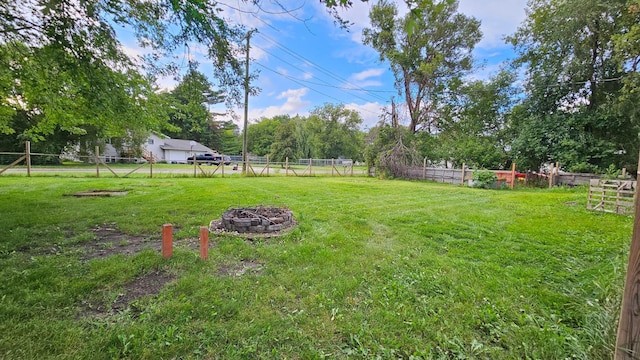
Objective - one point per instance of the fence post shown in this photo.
(195, 165)
(267, 165)
(551, 175)
(331, 167)
(351, 167)
(310, 164)
(204, 243)
(462, 181)
(513, 175)
(151, 165)
(28, 155)
(97, 153)
(167, 240)
(628, 338)
(424, 168)
(222, 163)
(286, 166)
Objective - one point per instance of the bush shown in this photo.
(484, 179)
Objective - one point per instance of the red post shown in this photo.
(167, 240)
(204, 243)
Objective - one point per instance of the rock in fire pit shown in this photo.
(258, 220)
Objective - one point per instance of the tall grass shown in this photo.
(388, 269)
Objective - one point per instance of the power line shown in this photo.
(322, 69)
(326, 83)
(306, 86)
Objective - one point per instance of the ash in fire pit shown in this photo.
(260, 220)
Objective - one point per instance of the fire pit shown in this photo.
(259, 220)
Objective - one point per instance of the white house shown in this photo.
(162, 148)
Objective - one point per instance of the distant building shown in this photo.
(162, 148)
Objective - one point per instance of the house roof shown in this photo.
(184, 145)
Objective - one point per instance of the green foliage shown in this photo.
(189, 116)
(475, 128)
(330, 132)
(484, 179)
(429, 52)
(575, 111)
(375, 269)
(53, 98)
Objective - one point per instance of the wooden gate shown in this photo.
(614, 196)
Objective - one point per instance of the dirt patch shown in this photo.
(216, 227)
(245, 266)
(110, 241)
(99, 193)
(147, 285)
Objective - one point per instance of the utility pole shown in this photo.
(246, 106)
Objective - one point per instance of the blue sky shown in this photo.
(304, 64)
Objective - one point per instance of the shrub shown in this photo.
(484, 179)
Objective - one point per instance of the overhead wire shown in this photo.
(297, 81)
(325, 83)
(320, 68)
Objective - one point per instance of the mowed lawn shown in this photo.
(388, 269)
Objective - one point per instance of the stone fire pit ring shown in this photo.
(256, 220)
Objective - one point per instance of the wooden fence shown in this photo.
(613, 196)
(257, 167)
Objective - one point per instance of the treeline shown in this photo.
(577, 104)
(329, 132)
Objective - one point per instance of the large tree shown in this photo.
(476, 127)
(428, 50)
(572, 112)
(63, 70)
(188, 110)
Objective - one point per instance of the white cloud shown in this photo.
(499, 18)
(294, 104)
(367, 74)
(307, 76)
(370, 113)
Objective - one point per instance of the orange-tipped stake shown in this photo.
(167, 240)
(204, 243)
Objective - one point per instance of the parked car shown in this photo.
(210, 159)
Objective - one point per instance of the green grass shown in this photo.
(389, 269)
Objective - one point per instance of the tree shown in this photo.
(261, 135)
(230, 138)
(47, 94)
(476, 128)
(429, 51)
(188, 111)
(335, 132)
(64, 69)
(285, 144)
(572, 111)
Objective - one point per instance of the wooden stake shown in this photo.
(286, 166)
(463, 166)
(310, 171)
(151, 165)
(267, 165)
(332, 166)
(628, 340)
(513, 175)
(97, 161)
(167, 240)
(28, 155)
(204, 243)
(551, 176)
(424, 168)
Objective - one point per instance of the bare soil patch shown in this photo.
(111, 241)
(243, 267)
(99, 193)
(147, 285)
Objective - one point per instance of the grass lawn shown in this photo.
(389, 269)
